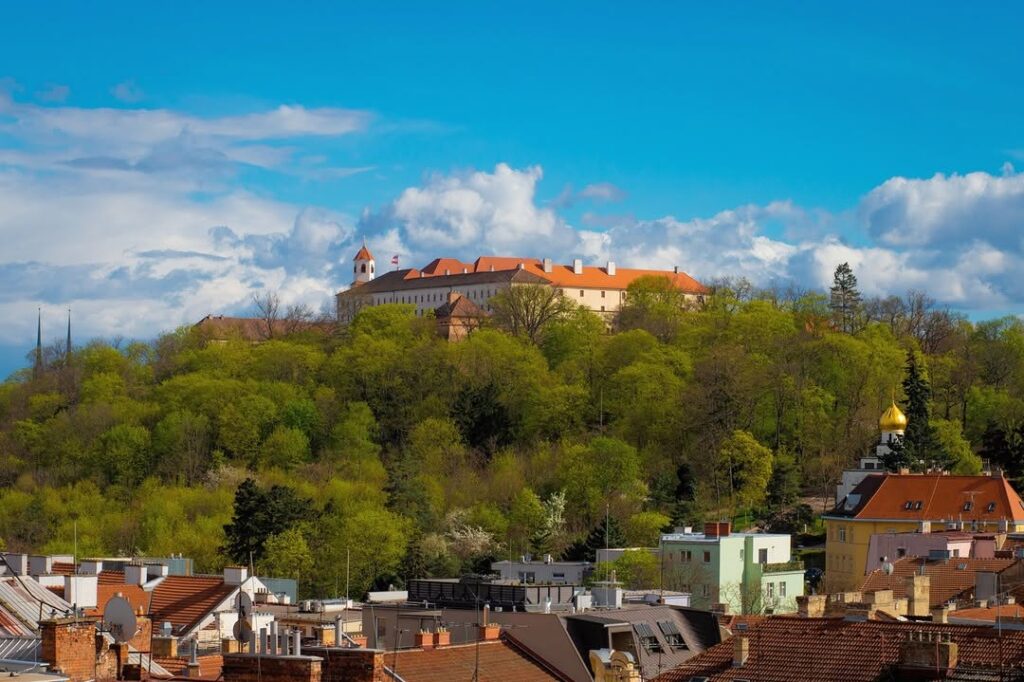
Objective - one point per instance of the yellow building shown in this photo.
(905, 502)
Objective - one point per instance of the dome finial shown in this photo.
(893, 418)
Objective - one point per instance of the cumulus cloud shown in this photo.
(602, 192)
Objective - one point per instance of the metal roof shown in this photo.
(28, 601)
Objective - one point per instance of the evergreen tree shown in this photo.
(259, 514)
(608, 533)
(845, 299)
(919, 448)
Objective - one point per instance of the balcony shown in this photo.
(786, 567)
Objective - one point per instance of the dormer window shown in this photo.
(968, 506)
(908, 504)
(918, 504)
(991, 507)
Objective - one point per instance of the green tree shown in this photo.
(919, 448)
(285, 448)
(527, 310)
(845, 299)
(644, 528)
(258, 515)
(655, 304)
(287, 555)
(743, 470)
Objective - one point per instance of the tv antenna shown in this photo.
(119, 619)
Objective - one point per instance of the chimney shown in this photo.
(740, 650)
(675, 269)
(929, 653)
(611, 268)
(40, 564)
(548, 265)
(68, 646)
(940, 615)
(811, 605)
(924, 527)
(135, 574)
(918, 595)
(577, 266)
(235, 575)
(447, 271)
(154, 571)
(90, 567)
(17, 563)
(711, 529)
(80, 590)
(424, 640)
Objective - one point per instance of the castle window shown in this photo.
(581, 293)
(371, 268)
(602, 294)
(362, 267)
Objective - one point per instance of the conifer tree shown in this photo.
(919, 448)
(845, 299)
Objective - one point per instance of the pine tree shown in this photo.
(919, 448)
(845, 299)
(608, 533)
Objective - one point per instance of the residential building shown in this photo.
(744, 572)
(599, 289)
(786, 648)
(885, 547)
(544, 571)
(939, 581)
(892, 424)
(904, 502)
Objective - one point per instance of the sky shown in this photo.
(160, 163)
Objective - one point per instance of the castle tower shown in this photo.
(364, 267)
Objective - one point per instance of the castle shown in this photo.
(446, 281)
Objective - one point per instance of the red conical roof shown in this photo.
(364, 254)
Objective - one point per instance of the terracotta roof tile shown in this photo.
(209, 666)
(499, 662)
(988, 615)
(784, 649)
(363, 254)
(136, 596)
(184, 600)
(949, 579)
(942, 497)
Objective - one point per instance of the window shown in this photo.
(371, 268)
(581, 293)
(673, 637)
(647, 638)
(685, 555)
(769, 590)
(362, 268)
(602, 294)
(782, 589)
(762, 555)
(917, 505)
(707, 557)
(842, 533)
(602, 309)
(991, 507)
(705, 591)
(901, 552)
(968, 506)
(908, 504)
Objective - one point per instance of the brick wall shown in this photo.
(69, 647)
(344, 664)
(250, 668)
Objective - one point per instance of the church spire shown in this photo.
(37, 368)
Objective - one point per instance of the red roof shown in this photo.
(184, 600)
(499, 661)
(988, 615)
(784, 649)
(941, 497)
(209, 666)
(136, 596)
(363, 254)
(948, 578)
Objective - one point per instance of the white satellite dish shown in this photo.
(120, 620)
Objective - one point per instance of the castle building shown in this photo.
(872, 501)
(599, 289)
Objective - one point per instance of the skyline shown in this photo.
(160, 166)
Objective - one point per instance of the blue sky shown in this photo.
(159, 163)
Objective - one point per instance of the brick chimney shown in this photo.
(928, 653)
(740, 650)
(251, 667)
(918, 595)
(68, 646)
(811, 605)
(349, 664)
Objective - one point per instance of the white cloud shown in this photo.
(602, 192)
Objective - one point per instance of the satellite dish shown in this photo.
(242, 630)
(243, 604)
(120, 620)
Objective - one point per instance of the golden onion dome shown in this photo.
(893, 419)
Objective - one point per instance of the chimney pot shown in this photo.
(740, 650)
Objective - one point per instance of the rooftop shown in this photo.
(499, 661)
(948, 578)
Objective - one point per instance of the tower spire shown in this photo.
(37, 368)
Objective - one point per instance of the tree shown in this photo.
(258, 515)
(182, 441)
(527, 309)
(268, 310)
(285, 448)
(919, 448)
(644, 529)
(744, 468)
(784, 486)
(845, 300)
(655, 304)
(608, 533)
(287, 555)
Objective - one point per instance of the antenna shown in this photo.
(120, 620)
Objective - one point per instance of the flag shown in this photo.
(394, 259)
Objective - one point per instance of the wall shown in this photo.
(351, 665)
(250, 668)
(69, 647)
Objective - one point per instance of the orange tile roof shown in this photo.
(136, 596)
(786, 649)
(948, 578)
(209, 666)
(942, 497)
(363, 254)
(988, 615)
(499, 662)
(451, 266)
(184, 600)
